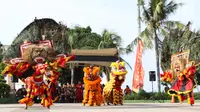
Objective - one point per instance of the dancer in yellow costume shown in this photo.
(112, 90)
(91, 79)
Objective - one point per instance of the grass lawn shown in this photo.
(151, 101)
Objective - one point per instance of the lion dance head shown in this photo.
(118, 70)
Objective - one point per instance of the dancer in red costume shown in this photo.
(38, 59)
(184, 83)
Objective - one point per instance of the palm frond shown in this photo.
(163, 32)
(146, 15)
(171, 7)
(172, 25)
(140, 2)
(158, 12)
(127, 63)
(129, 48)
(146, 36)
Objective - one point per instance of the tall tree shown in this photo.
(83, 38)
(1, 51)
(155, 17)
(110, 39)
(139, 15)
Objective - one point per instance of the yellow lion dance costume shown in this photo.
(91, 79)
(112, 91)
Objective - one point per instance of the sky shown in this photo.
(115, 15)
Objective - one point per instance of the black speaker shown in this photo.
(152, 76)
(14, 78)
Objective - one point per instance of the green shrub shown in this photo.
(4, 90)
(142, 95)
(9, 100)
(197, 96)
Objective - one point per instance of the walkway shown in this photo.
(135, 107)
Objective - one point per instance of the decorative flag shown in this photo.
(138, 75)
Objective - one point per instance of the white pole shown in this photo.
(72, 73)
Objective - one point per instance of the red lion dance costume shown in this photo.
(32, 67)
(92, 95)
(182, 79)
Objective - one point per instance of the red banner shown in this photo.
(138, 76)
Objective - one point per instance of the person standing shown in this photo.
(127, 90)
(79, 92)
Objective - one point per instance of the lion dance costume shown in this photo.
(112, 91)
(38, 61)
(182, 79)
(92, 86)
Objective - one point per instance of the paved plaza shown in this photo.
(134, 107)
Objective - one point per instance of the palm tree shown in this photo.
(155, 16)
(139, 15)
(1, 51)
(111, 40)
(81, 38)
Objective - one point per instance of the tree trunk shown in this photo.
(139, 22)
(157, 60)
(72, 74)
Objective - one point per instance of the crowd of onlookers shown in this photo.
(71, 93)
(68, 93)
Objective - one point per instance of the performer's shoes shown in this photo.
(26, 107)
(191, 101)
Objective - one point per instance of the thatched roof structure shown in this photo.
(101, 57)
(35, 31)
(99, 52)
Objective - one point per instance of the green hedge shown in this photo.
(4, 90)
(150, 96)
(10, 100)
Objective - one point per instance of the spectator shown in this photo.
(73, 94)
(127, 90)
(62, 96)
(21, 93)
(79, 92)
